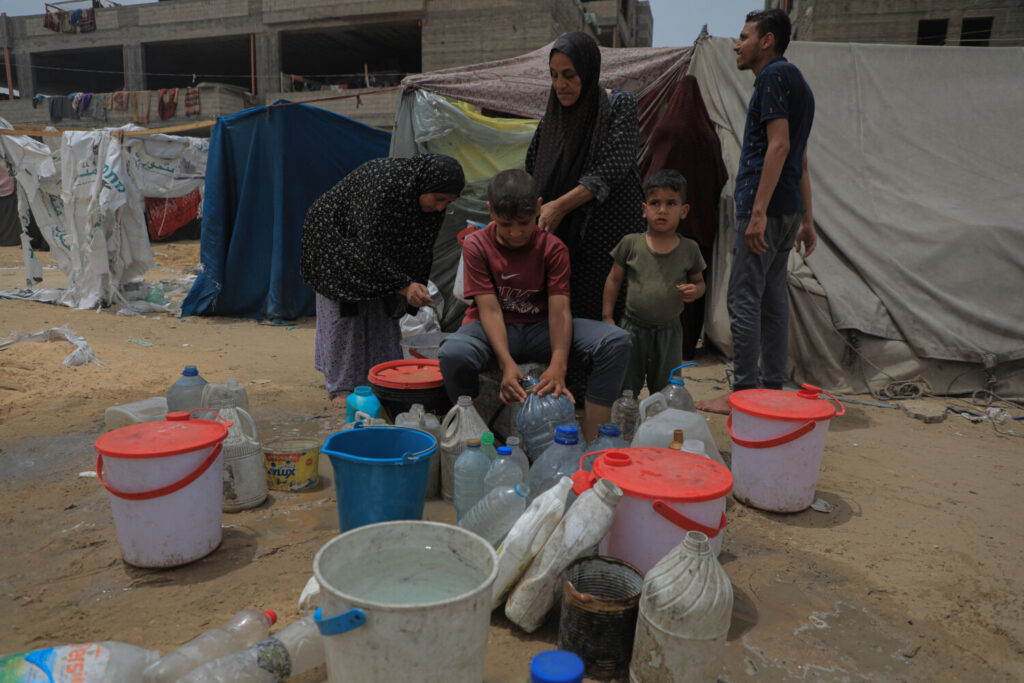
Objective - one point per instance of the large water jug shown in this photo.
(560, 459)
(504, 471)
(685, 611)
(361, 399)
(608, 436)
(237, 391)
(518, 455)
(675, 391)
(470, 471)
(245, 477)
(187, 392)
(496, 512)
(146, 410)
(461, 424)
(538, 417)
(626, 414)
(418, 418)
(660, 421)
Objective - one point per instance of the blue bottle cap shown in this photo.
(610, 429)
(190, 371)
(504, 450)
(363, 391)
(556, 666)
(567, 434)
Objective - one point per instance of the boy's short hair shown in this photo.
(773, 21)
(512, 194)
(666, 179)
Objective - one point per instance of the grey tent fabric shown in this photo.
(915, 167)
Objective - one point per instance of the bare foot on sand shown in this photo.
(339, 401)
(719, 404)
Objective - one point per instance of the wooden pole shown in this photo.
(366, 73)
(7, 65)
(252, 62)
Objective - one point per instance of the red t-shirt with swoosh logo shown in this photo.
(522, 278)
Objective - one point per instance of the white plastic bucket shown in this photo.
(443, 641)
(666, 493)
(165, 480)
(778, 442)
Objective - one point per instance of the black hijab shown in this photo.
(570, 137)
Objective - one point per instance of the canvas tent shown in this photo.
(266, 166)
(85, 190)
(914, 159)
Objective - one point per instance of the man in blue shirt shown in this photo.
(773, 205)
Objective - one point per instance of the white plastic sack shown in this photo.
(427, 318)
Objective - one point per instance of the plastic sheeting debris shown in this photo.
(82, 354)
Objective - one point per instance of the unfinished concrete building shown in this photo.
(298, 49)
(969, 23)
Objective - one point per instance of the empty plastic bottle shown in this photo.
(518, 455)
(361, 399)
(470, 471)
(83, 663)
(488, 447)
(241, 399)
(496, 512)
(418, 418)
(461, 424)
(561, 459)
(187, 392)
(660, 421)
(626, 414)
(245, 477)
(538, 417)
(295, 650)
(608, 436)
(675, 391)
(245, 629)
(504, 471)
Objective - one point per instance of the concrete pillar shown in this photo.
(134, 67)
(268, 63)
(23, 63)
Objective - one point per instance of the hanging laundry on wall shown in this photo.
(167, 102)
(139, 102)
(88, 21)
(192, 101)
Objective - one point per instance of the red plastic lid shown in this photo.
(176, 435)
(661, 474)
(412, 373)
(787, 406)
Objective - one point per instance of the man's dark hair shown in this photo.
(512, 194)
(666, 179)
(773, 21)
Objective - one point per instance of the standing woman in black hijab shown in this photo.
(583, 159)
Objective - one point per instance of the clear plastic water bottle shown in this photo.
(241, 399)
(296, 649)
(626, 414)
(496, 512)
(538, 417)
(518, 455)
(363, 400)
(504, 471)
(187, 392)
(675, 391)
(84, 663)
(245, 629)
(488, 447)
(560, 459)
(470, 471)
(608, 436)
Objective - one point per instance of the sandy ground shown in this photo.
(916, 574)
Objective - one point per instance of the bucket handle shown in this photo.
(811, 388)
(346, 621)
(769, 443)
(160, 492)
(684, 522)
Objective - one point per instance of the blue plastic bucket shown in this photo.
(380, 473)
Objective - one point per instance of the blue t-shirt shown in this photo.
(780, 92)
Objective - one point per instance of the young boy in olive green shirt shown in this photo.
(665, 272)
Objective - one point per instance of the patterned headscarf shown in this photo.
(367, 237)
(570, 137)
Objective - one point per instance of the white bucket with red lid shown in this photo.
(778, 440)
(165, 480)
(666, 493)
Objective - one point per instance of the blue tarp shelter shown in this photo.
(266, 166)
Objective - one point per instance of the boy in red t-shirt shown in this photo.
(518, 278)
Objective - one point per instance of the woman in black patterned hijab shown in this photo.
(367, 248)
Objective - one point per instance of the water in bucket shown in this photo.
(405, 576)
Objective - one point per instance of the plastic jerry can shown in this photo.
(461, 424)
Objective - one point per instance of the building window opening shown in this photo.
(932, 31)
(976, 31)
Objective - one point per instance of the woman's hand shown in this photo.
(551, 215)
(416, 294)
